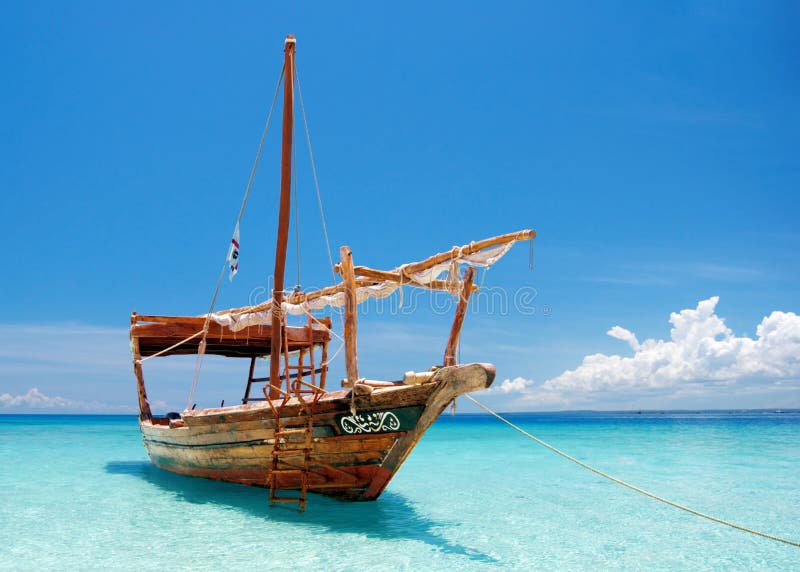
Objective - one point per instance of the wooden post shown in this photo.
(461, 311)
(144, 404)
(283, 217)
(323, 376)
(350, 311)
(249, 379)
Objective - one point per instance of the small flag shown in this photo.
(233, 254)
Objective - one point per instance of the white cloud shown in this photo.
(516, 385)
(34, 399)
(702, 356)
(84, 363)
(625, 335)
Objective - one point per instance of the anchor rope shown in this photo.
(628, 485)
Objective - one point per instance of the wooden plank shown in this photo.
(253, 341)
(254, 334)
(372, 458)
(243, 457)
(337, 401)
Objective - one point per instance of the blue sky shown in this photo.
(653, 148)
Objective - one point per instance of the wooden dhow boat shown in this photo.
(298, 435)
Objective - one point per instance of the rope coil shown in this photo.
(628, 485)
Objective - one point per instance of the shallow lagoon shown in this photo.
(78, 491)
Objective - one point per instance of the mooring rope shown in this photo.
(628, 485)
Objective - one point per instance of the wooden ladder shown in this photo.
(297, 439)
(289, 441)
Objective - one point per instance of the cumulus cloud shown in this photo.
(85, 362)
(516, 385)
(34, 399)
(625, 335)
(701, 354)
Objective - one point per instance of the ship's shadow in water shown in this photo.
(392, 516)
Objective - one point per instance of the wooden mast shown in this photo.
(276, 342)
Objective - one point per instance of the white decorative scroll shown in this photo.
(372, 422)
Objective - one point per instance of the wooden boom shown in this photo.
(455, 252)
(398, 277)
(465, 250)
(366, 276)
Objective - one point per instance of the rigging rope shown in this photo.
(314, 171)
(201, 348)
(172, 347)
(260, 146)
(316, 188)
(628, 485)
(296, 204)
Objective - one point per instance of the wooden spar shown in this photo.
(396, 276)
(370, 276)
(458, 320)
(350, 309)
(284, 211)
(456, 251)
(300, 297)
(467, 249)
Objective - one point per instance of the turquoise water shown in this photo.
(78, 492)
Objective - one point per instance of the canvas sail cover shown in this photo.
(262, 313)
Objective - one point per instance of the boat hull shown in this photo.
(352, 456)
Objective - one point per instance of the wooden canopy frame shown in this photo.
(168, 335)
